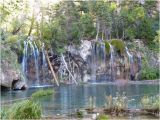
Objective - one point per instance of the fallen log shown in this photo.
(53, 73)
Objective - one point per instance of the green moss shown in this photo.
(107, 47)
(102, 117)
(42, 93)
(9, 56)
(118, 44)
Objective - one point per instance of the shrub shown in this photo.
(79, 114)
(102, 117)
(42, 93)
(149, 73)
(26, 109)
(3, 114)
(87, 26)
(152, 102)
(117, 102)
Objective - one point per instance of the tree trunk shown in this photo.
(32, 22)
(53, 73)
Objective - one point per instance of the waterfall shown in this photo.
(44, 63)
(24, 61)
(98, 61)
(130, 61)
(35, 55)
(34, 52)
(129, 55)
(112, 61)
(103, 57)
(93, 62)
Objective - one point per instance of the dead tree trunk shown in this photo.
(50, 66)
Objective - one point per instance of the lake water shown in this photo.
(68, 98)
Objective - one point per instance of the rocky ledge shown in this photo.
(9, 70)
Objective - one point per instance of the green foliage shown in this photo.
(137, 22)
(67, 22)
(9, 56)
(157, 37)
(154, 45)
(87, 26)
(118, 44)
(42, 93)
(107, 47)
(102, 117)
(130, 33)
(79, 114)
(149, 73)
(76, 33)
(26, 109)
(152, 102)
(3, 113)
(145, 30)
(118, 102)
(102, 12)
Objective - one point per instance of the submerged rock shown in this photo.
(18, 85)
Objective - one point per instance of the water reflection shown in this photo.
(68, 98)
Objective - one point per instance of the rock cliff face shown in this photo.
(9, 70)
(86, 62)
(121, 68)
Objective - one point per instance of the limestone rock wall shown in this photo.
(9, 70)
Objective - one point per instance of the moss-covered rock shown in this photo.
(118, 44)
(107, 47)
(10, 69)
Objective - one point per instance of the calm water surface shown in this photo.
(68, 98)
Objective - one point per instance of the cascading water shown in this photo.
(93, 64)
(112, 61)
(103, 57)
(33, 52)
(100, 65)
(24, 61)
(130, 56)
(98, 62)
(44, 62)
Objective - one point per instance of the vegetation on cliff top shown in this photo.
(67, 22)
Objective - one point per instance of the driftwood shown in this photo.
(53, 73)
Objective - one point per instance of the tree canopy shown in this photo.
(68, 22)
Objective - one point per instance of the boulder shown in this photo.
(9, 68)
(19, 85)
